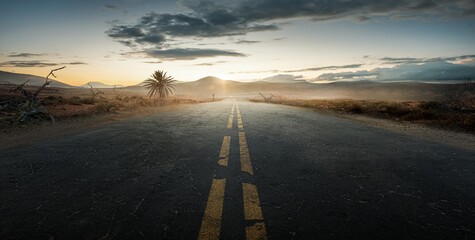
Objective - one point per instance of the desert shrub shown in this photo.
(107, 106)
(431, 105)
(74, 100)
(54, 100)
(87, 100)
(356, 108)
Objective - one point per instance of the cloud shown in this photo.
(242, 41)
(210, 63)
(409, 60)
(430, 71)
(189, 53)
(218, 23)
(284, 78)
(324, 10)
(39, 63)
(75, 63)
(114, 8)
(27, 55)
(327, 68)
(26, 64)
(305, 69)
(220, 18)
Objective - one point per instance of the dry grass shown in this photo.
(68, 103)
(432, 113)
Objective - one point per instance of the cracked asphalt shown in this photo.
(317, 176)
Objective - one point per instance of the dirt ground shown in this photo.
(74, 110)
(27, 134)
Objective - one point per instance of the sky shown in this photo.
(125, 41)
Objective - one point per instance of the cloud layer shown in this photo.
(427, 72)
(284, 78)
(36, 63)
(26, 55)
(189, 53)
(213, 18)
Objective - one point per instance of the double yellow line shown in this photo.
(211, 224)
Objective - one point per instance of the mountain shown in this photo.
(302, 89)
(100, 85)
(18, 78)
(298, 89)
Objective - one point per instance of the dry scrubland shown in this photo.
(67, 103)
(452, 115)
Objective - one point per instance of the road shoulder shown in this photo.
(450, 138)
(17, 136)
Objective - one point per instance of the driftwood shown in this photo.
(28, 105)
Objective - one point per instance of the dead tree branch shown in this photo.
(46, 80)
(28, 105)
(267, 99)
(95, 93)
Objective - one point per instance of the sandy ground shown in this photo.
(450, 138)
(30, 134)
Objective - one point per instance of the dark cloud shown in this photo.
(75, 63)
(322, 10)
(27, 55)
(409, 60)
(427, 72)
(26, 64)
(114, 8)
(284, 78)
(39, 63)
(327, 68)
(242, 41)
(218, 18)
(189, 53)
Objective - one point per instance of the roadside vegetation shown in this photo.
(456, 112)
(22, 105)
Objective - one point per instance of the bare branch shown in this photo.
(46, 80)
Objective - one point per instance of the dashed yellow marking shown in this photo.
(224, 153)
(257, 231)
(211, 225)
(244, 152)
(239, 119)
(230, 121)
(232, 110)
(252, 208)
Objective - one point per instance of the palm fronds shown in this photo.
(160, 83)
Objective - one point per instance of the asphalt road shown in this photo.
(278, 173)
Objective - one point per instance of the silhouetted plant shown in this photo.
(160, 83)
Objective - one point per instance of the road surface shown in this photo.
(237, 170)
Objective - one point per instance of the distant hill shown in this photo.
(355, 90)
(100, 85)
(299, 89)
(18, 78)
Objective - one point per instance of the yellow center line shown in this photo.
(252, 208)
(239, 119)
(224, 153)
(211, 225)
(244, 152)
(257, 231)
(230, 121)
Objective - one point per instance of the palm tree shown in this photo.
(161, 83)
